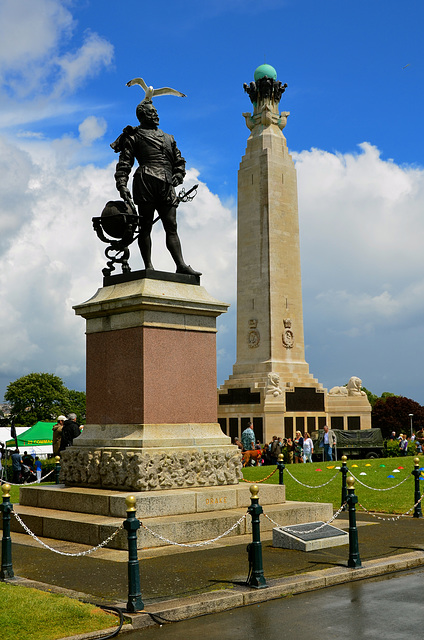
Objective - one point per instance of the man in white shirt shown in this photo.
(328, 441)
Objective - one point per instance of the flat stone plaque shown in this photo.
(303, 537)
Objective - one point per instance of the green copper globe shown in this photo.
(265, 70)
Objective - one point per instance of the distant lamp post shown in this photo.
(411, 415)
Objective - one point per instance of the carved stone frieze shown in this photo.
(135, 470)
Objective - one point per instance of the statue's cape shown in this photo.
(127, 132)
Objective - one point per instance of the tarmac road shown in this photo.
(388, 608)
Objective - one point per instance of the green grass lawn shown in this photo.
(397, 500)
(28, 613)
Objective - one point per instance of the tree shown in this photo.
(372, 398)
(391, 413)
(75, 403)
(36, 396)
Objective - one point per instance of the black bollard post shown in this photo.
(344, 471)
(6, 544)
(131, 524)
(281, 467)
(256, 578)
(57, 469)
(354, 558)
(417, 495)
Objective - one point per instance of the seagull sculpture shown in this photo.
(150, 92)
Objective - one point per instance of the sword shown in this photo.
(183, 196)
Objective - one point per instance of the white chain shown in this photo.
(195, 544)
(63, 553)
(310, 530)
(374, 489)
(402, 515)
(26, 484)
(312, 486)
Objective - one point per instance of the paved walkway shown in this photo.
(178, 583)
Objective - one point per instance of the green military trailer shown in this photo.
(361, 443)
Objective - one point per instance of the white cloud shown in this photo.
(362, 261)
(29, 31)
(40, 64)
(91, 129)
(85, 63)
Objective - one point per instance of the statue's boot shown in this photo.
(186, 269)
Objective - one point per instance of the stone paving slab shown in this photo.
(177, 586)
(175, 610)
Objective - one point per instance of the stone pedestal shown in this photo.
(151, 390)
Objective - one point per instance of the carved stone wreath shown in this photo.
(253, 338)
(288, 338)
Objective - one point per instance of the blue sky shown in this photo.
(355, 74)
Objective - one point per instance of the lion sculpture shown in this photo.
(353, 388)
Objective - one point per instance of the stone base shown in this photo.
(295, 537)
(89, 516)
(151, 469)
(151, 457)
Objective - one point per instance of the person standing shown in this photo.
(403, 445)
(290, 451)
(16, 466)
(248, 438)
(57, 434)
(298, 448)
(308, 447)
(328, 441)
(28, 460)
(38, 468)
(275, 450)
(70, 431)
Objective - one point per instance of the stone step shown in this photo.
(149, 504)
(92, 529)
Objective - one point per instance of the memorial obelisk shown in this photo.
(271, 382)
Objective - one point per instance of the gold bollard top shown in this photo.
(280, 457)
(57, 458)
(350, 482)
(344, 459)
(130, 502)
(254, 490)
(6, 490)
(417, 462)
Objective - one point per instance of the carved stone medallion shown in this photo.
(287, 337)
(253, 336)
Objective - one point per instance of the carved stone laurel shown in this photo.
(127, 469)
(287, 337)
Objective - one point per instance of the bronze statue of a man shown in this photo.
(161, 168)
